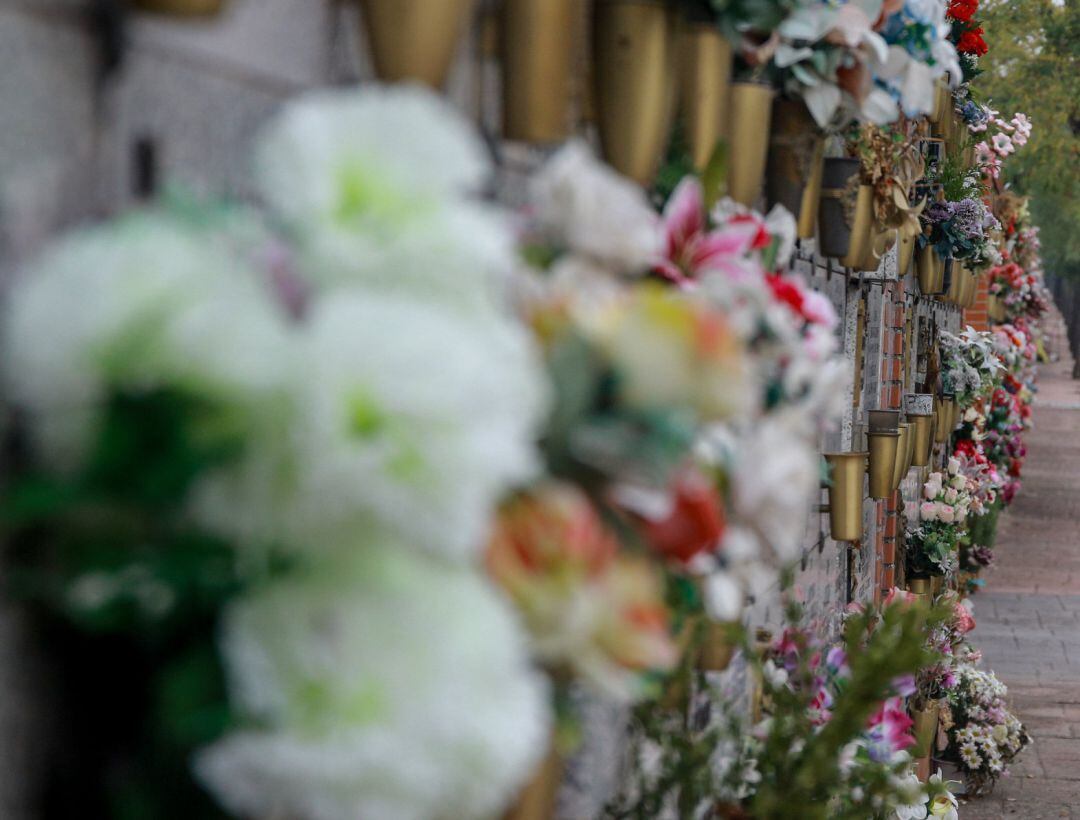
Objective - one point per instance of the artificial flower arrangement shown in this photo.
(862, 60)
(674, 395)
(970, 365)
(948, 642)
(892, 164)
(983, 735)
(919, 30)
(831, 739)
(257, 490)
(967, 35)
(959, 224)
(943, 512)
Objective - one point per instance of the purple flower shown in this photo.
(969, 217)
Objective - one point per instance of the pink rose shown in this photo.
(947, 514)
(928, 511)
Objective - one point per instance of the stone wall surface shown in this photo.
(78, 142)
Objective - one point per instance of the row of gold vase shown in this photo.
(889, 456)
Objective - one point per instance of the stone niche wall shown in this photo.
(181, 105)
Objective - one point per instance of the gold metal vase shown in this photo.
(920, 587)
(795, 165)
(705, 66)
(925, 728)
(941, 421)
(952, 411)
(883, 241)
(748, 140)
(846, 495)
(923, 439)
(634, 72)
(904, 255)
(862, 231)
(536, 40)
(995, 308)
(903, 451)
(929, 270)
(182, 8)
(414, 39)
(884, 447)
(717, 648)
(537, 800)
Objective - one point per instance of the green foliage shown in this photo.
(127, 593)
(805, 780)
(788, 767)
(1034, 67)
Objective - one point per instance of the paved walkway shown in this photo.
(1029, 613)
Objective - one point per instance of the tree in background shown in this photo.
(1033, 65)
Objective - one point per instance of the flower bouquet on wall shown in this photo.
(255, 489)
(827, 736)
(983, 736)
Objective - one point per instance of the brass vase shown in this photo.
(634, 72)
(920, 587)
(940, 103)
(905, 253)
(748, 140)
(930, 268)
(925, 728)
(182, 8)
(883, 447)
(941, 421)
(953, 275)
(880, 245)
(903, 451)
(863, 236)
(717, 648)
(414, 39)
(537, 800)
(937, 584)
(846, 495)
(705, 65)
(924, 429)
(836, 212)
(995, 308)
(537, 38)
(795, 163)
(952, 411)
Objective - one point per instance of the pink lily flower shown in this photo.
(691, 249)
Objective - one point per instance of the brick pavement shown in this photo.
(1029, 614)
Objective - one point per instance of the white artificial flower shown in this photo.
(146, 303)
(385, 686)
(593, 211)
(774, 476)
(374, 186)
(723, 596)
(408, 417)
(913, 790)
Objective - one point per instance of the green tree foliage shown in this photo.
(1034, 66)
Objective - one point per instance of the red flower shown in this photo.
(963, 10)
(972, 42)
(694, 524)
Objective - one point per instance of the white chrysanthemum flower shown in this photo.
(387, 687)
(595, 212)
(145, 303)
(408, 417)
(374, 184)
